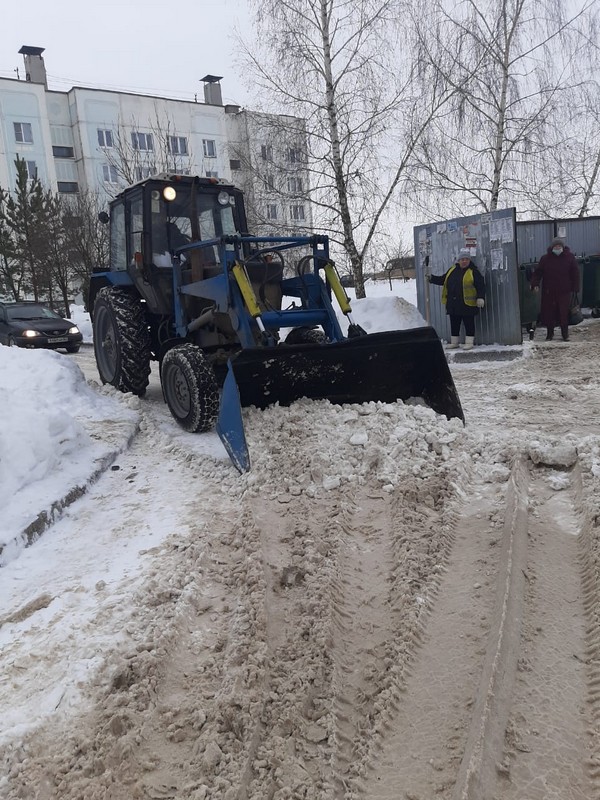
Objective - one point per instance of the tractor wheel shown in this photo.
(190, 388)
(305, 336)
(72, 348)
(121, 340)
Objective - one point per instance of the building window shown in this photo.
(109, 173)
(266, 152)
(178, 145)
(105, 137)
(142, 141)
(269, 181)
(23, 132)
(294, 155)
(63, 152)
(209, 146)
(32, 172)
(295, 185)
(297, 212)
(68, 187)
(141, 173)
(271, 211)
(211, 173)
(235, 163)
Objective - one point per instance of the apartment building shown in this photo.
(99, 140)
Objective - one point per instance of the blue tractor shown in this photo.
(189, 288)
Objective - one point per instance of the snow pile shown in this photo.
(379, 313)
(314, 446)
(55, 432)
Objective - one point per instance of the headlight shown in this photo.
(223, 198)
(74, 329)
(30, 334)
(169, 193)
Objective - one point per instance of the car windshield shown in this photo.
(31, 312)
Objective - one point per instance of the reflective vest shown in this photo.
(469, 290)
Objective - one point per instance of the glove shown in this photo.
(480, 302)
(429, 278)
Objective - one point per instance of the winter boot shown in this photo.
(469, 341)
(550, 334)
(453, 343)
(565, 333)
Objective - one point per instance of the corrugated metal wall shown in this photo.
(492, 241)
(533, 239)
(581, 235)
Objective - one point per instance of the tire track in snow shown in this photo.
(505, 702)
(420, 753)
(548, 749)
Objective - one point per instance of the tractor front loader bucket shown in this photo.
(395, 365)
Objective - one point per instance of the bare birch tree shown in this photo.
(523, 61)
(566, 179)
(347, 69)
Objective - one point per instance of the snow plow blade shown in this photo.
(390, 366)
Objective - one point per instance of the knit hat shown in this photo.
(464, 253)
(557, 240)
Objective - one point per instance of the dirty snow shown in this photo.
(178, 631)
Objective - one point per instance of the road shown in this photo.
(420, 620)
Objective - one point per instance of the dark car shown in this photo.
(31, 324)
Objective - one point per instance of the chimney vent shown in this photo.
(212, 90)
(35, 69)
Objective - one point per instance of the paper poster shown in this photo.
(497, 258)
(485, 219)
(501, 230)
(452, 226)
(441, 228)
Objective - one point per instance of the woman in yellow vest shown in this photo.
(463, 295)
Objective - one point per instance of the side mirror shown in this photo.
(103, 217)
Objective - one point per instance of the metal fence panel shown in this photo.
(581, 235)
(533, 239)
(492, 240)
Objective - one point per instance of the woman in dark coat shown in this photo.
(463, 295)
(558, 272)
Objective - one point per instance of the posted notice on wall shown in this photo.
(497, 258)
(501, 230)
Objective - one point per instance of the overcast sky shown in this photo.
(149, 47)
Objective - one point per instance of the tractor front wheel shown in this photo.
(190, 388)
(121, 340)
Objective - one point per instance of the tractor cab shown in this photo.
(152, 220)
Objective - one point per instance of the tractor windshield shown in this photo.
(194, 215)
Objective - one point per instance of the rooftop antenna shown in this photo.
(16, 69)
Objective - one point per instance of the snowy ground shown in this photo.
(317, 628)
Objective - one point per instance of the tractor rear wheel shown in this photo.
(190, 388)
(121, 340)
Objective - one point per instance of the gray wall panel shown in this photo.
(533, 239)
(581, 235)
